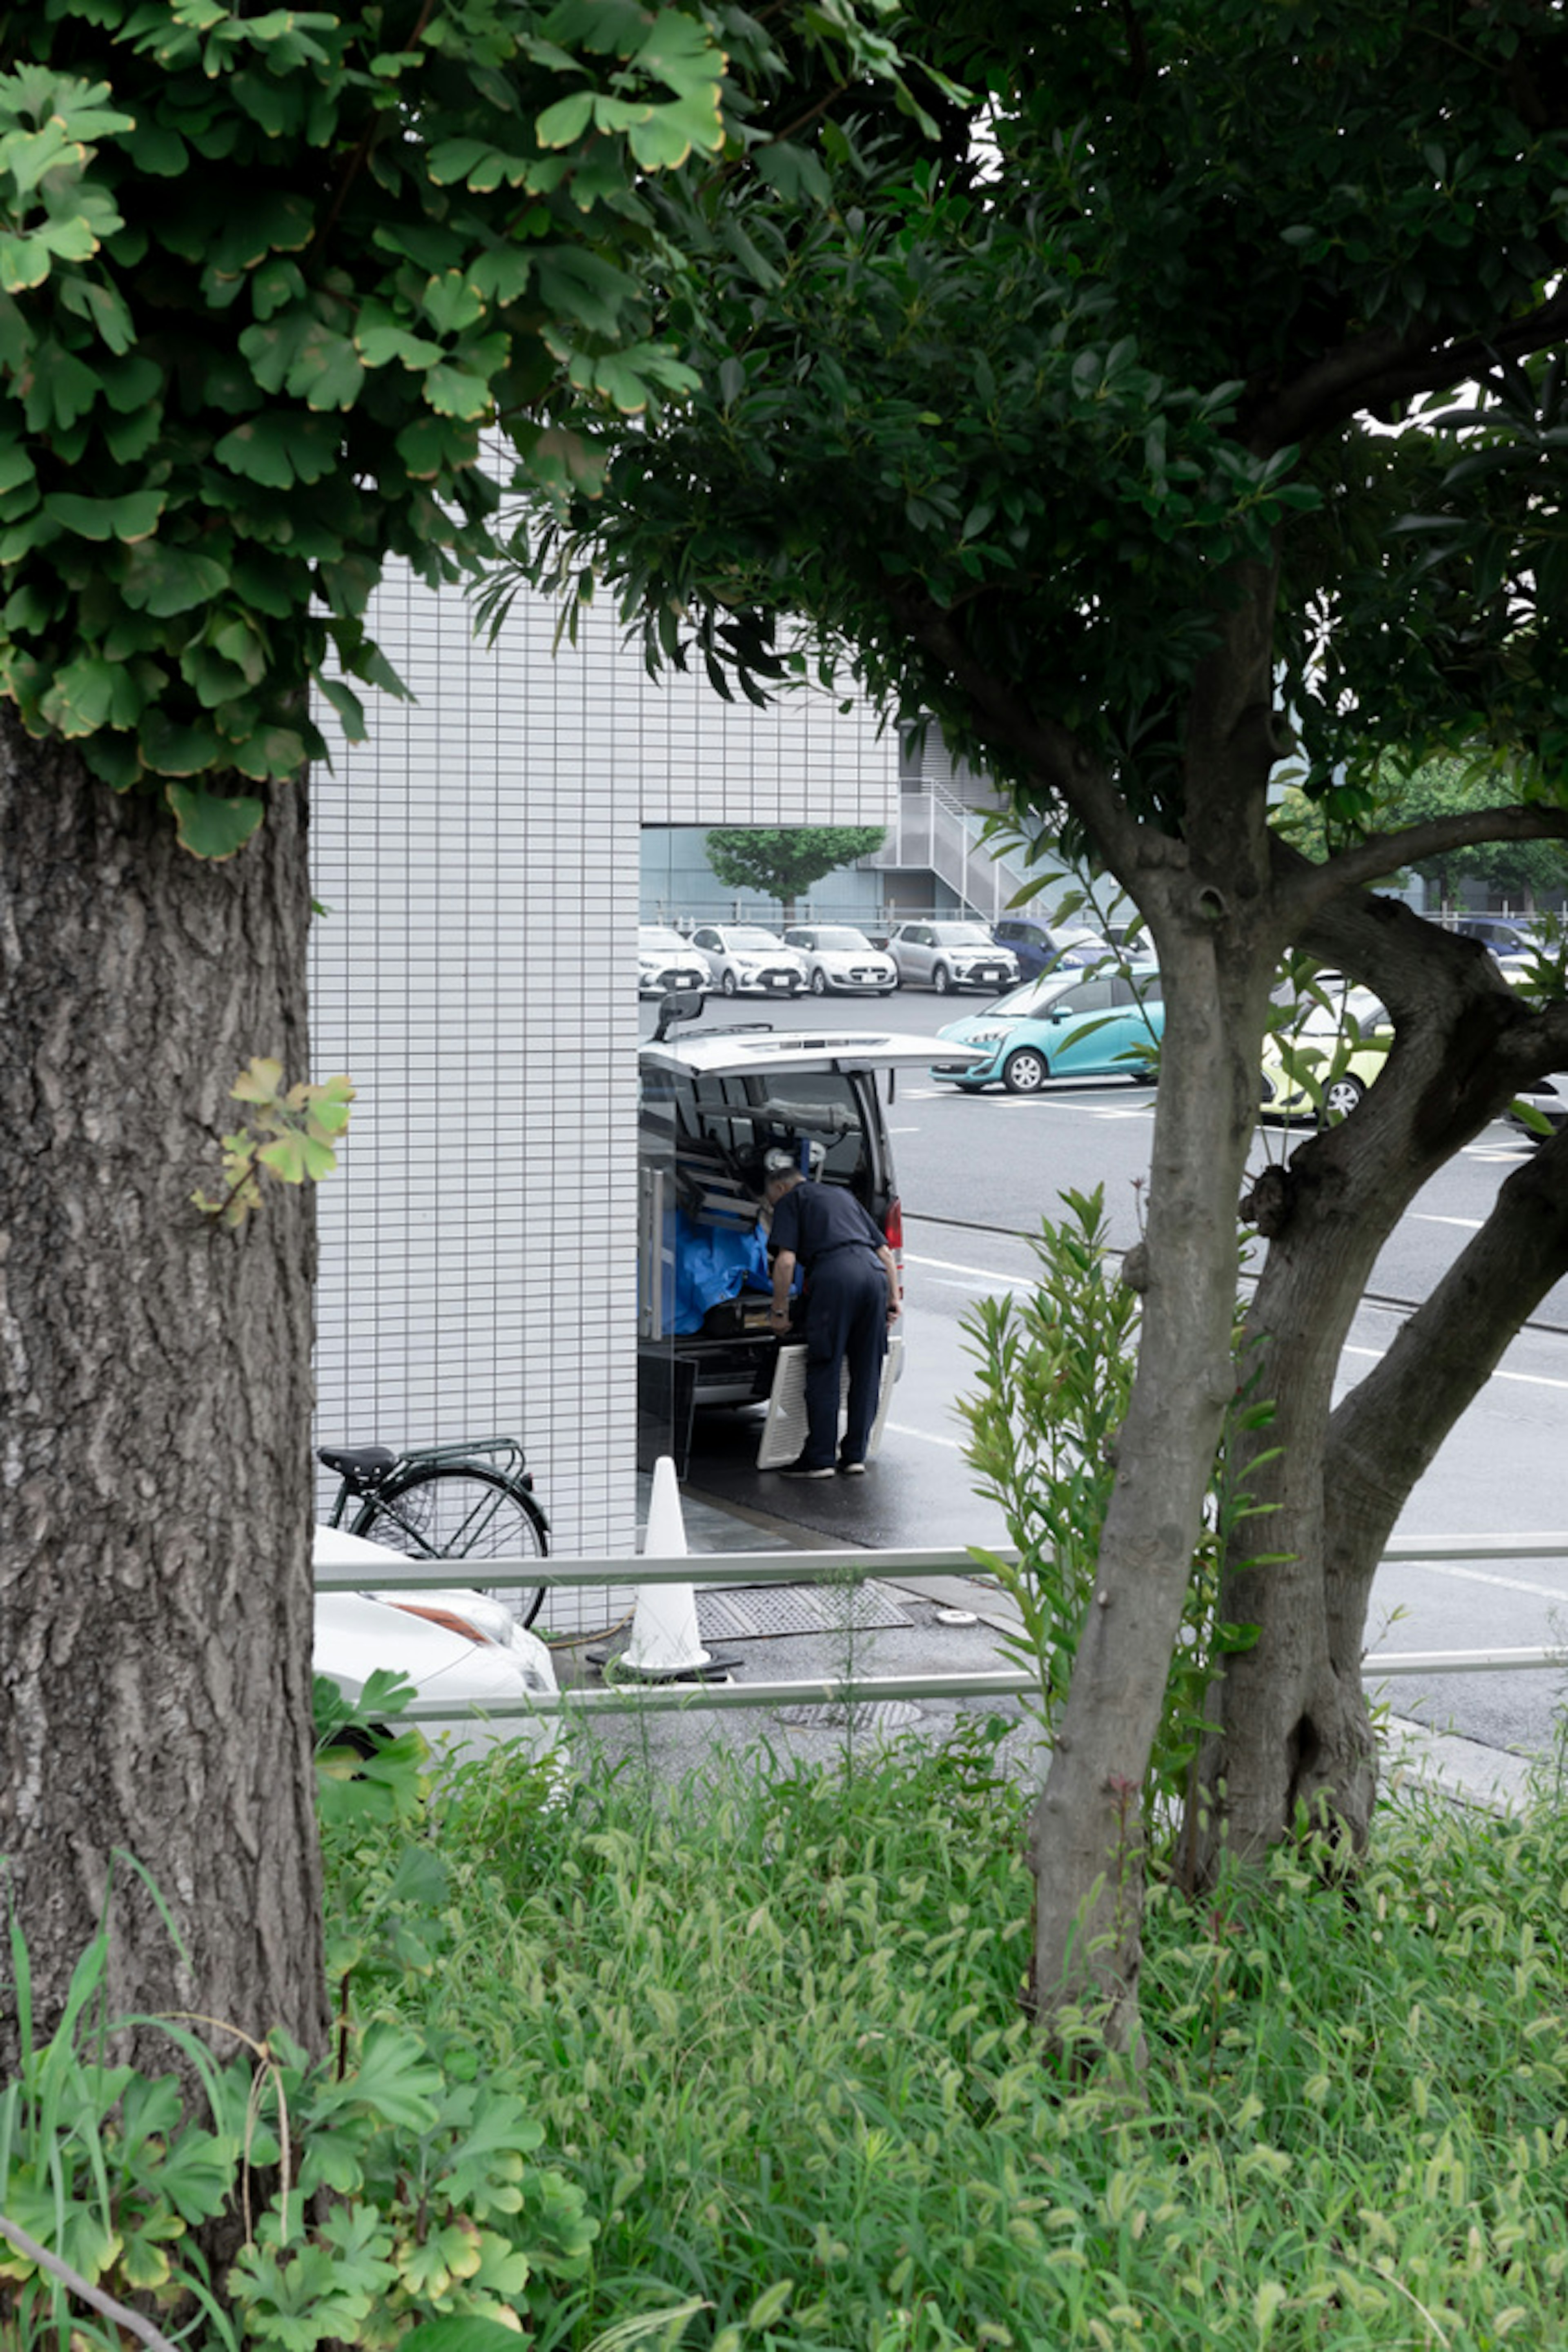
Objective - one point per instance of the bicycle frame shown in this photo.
(503, 1455)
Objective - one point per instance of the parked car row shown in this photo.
(837, 959)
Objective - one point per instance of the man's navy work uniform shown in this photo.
(846, 1297)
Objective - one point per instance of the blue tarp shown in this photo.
(711, 1264)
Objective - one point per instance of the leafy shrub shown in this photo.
(1054, 1373)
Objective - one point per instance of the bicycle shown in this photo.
(445, 1502)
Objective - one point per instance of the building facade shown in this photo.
(477, 861)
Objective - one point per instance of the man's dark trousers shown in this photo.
(846, 1323)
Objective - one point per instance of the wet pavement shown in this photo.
(890, 1626)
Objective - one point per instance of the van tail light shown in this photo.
(893, 1229)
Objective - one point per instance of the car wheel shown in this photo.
(819, 983)
(1341, 1098)
(728, 984)
(1026, 1071)
(942, 981)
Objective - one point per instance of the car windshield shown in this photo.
(1034, 995)
(963, 935)
(842, 937)
(1353, 1013)
(749, 935)
(658, 935)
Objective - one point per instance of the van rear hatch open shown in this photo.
(729, 1052)
(712, 1104)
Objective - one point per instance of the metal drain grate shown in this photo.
(861, 1714)
(753, 1612)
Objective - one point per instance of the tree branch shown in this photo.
(1387, 1430)
(1379, 854)
(1379, 371)
(121, 2313)
(1064, 766)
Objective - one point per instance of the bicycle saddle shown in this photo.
(358, 1463)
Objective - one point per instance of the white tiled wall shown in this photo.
(475, 974)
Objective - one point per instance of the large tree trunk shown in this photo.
(1206, 900)
(155, 1598)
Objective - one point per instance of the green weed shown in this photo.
(742, 2067)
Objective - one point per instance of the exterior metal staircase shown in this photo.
(935, 828)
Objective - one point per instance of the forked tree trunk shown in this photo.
(1385, 1435)
(1294, 1735)
(155, 1601)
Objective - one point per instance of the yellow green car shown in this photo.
(1321, 1062)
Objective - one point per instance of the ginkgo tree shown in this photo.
(267, 279)
(1202, 406)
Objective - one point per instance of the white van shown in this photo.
(712, 1101)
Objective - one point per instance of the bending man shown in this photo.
(851, 1297)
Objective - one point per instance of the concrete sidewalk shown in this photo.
(921, 1625)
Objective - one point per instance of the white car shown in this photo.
(746, 960)
(949, 955)
(841, 960)
(464, 1649)
(666, 961)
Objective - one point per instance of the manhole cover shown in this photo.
(753, 1612)
(866, 1714)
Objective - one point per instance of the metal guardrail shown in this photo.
(840, 1567)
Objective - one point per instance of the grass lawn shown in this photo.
(770, 2028)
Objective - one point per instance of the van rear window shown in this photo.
(737, 1118)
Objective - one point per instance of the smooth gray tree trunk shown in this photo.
(1085, 1839)
(155, 1390)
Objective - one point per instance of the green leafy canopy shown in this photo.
(783, 860)
(1013, 424)
(265, 280)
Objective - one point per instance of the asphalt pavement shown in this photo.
(975, 1175)
(888, 1626)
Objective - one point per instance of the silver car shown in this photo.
(666, 961)
(839, 958)
(745, 959)
(949, 955)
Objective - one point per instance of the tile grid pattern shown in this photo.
(478, 856)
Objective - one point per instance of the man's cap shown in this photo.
(779, 1162)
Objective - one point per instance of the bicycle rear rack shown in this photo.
(505, 1453)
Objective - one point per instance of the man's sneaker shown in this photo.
(853, 1469)
(806, 1470)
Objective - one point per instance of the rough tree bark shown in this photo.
(155, 1597)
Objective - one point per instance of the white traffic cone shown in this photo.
(666, 1643)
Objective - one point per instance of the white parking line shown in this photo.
(1472, 1224)
(902, 1429)
(1528, 1380)
(1481, 1575)
(980, 1272)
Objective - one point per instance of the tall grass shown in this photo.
(772, 2031)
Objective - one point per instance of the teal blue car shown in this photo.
(1064, 1025)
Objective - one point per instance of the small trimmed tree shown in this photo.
(785, 860)
(1074, 436)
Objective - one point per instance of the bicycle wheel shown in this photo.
(461, 1510)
